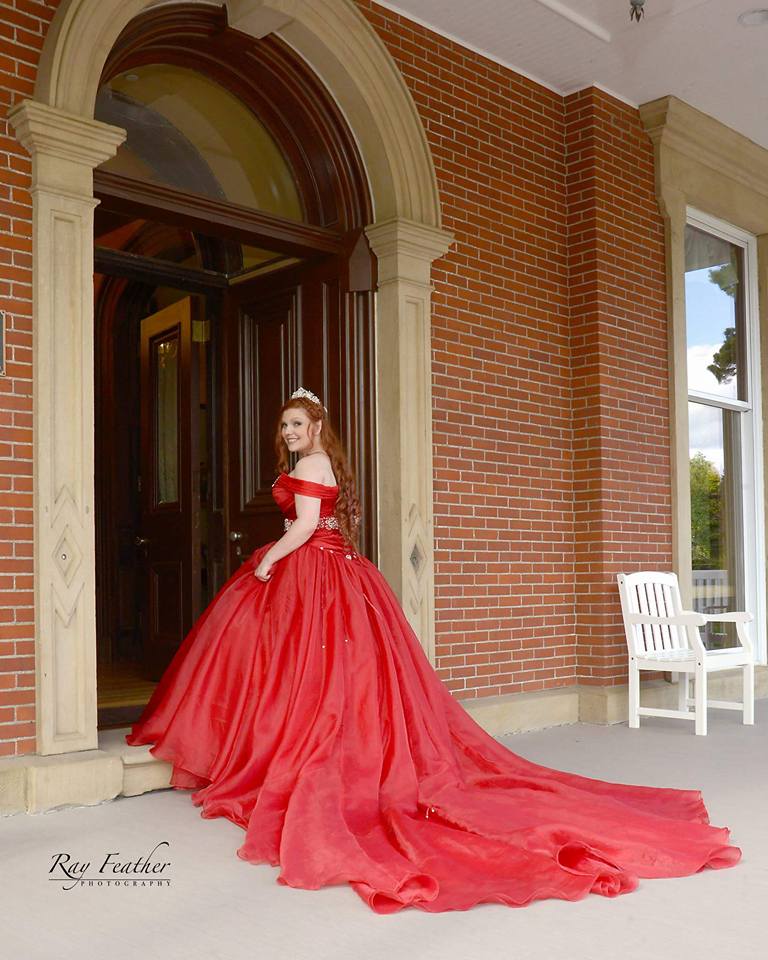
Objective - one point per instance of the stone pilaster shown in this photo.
(64, 148)
(405, 252)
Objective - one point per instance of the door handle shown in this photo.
(236, 537)
(141, 541)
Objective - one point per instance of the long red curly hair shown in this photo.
(348, 503)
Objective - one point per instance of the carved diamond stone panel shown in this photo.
(67, 556)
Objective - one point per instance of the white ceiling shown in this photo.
(694, 49)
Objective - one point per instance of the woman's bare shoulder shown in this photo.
(316, 468)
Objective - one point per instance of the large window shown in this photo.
(724, 428)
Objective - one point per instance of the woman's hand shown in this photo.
(264, 570)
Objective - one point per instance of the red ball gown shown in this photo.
(305, 710)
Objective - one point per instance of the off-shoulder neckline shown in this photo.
(325, 486)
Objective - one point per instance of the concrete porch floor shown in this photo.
(219, 907)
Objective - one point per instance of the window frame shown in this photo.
(751, 432)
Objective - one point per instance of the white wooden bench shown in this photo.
(663, 636)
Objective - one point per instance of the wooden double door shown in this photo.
(214, 372)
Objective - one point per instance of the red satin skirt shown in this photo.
(305, 710)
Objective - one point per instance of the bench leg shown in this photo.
(749, 693)
(682, 692)
(700, 698)
(634, 695)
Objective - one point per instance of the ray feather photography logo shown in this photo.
(111, 870)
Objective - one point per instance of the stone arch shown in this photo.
(335, 40)
(58, 129)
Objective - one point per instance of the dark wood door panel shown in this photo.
(268, 346)
(337, 362)
(166, 593)
(170, 494)
(262, 348)
(304, 327)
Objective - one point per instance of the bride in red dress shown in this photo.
(302, 707)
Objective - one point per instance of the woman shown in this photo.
(302, 707)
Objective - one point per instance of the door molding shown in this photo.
(66, 144)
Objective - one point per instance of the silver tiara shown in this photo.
(301, 392)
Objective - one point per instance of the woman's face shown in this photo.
(298, 430)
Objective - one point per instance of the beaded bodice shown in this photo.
(325, 523)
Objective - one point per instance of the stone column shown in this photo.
(64, 148)
(405, 252)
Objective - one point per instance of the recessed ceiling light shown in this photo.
(135, 76)
(753, 18)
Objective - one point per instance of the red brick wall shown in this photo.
(501, 368)
(622, 486)
(549, 368)
(22, 30)
(549, 380)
